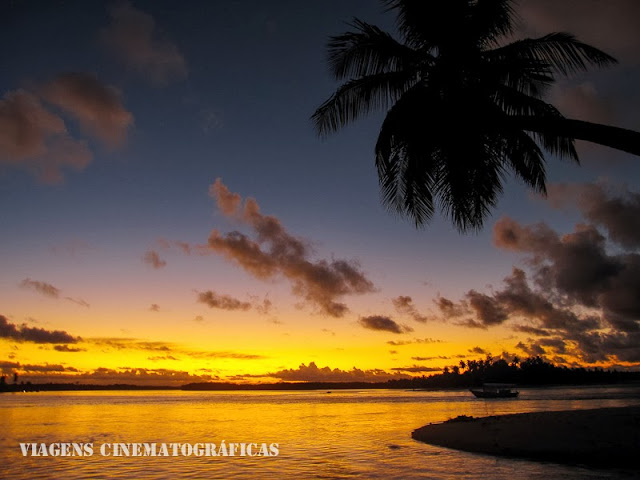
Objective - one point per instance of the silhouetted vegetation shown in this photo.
(533, 371)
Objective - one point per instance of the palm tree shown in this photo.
(463, 107)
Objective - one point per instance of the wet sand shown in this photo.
(604, 437)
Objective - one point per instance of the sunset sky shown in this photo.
(169, 214)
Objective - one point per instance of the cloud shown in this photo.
(312, 373)
(135, 39)
(162, 357)
(478, 351)
(154, 307)
(36, 139)
(417, 369)
(382, 323)
(168, 348)
(107, 376)
(582, 102)
(617, 211)
(609, 25)
(43, 288)
(581, 297)
(399, 343)
(23, 333)
(426, 359)
(152, 258)
(96, 106)
(78, 301)
(404, 305)
(223, 302)
(68, 349)
(275, 252)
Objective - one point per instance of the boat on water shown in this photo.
(495, 390)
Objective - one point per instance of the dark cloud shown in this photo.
(135, 39)
(43, 288)
(478, 351)
(449, 309)
(617, 211)
(425, 359)
(382, 323)
(577, 268)
(154, 307)
(96, 106)
(581, 300)
(36, 139)
(152, 258)
(23, 333)
(223, 302)
(68, 349)
(405, 306)
(275, 252)
(312, 373)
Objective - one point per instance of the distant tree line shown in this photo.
(533, 371)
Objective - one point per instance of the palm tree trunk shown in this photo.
(614, 137)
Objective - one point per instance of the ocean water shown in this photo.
(342, 434)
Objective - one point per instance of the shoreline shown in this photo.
(602, 437)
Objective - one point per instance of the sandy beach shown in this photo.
(605, 437)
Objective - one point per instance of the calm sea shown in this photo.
(342, 434)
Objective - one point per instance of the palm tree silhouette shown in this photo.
(464, 108)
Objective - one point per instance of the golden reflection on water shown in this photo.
(342, 434)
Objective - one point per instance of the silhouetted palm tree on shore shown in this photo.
(463, 108)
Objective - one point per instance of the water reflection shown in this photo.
(342, 435)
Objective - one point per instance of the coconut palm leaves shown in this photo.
(463, 109)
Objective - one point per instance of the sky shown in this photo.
(169, 214)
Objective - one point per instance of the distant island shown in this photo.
(533, 371)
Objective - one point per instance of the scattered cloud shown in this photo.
(399, 343)
(478, 351)
(78, 301)
(313, 373)
(417, 369)
(405, 306)
(617, 210)
(276, 253)
(152, 258)
(610, 25)
(162, 357)
(135, 39)
(24, 333)
(97, 107)
(382, 323)
(68, 349)
(36, 139)
(223, 302)
(43, 288)
(105, 376)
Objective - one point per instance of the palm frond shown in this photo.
(560, 51)
(406, 158)
(359, 97)
(368, 51)
(492, 19)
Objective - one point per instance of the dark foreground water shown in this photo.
(343, 434)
